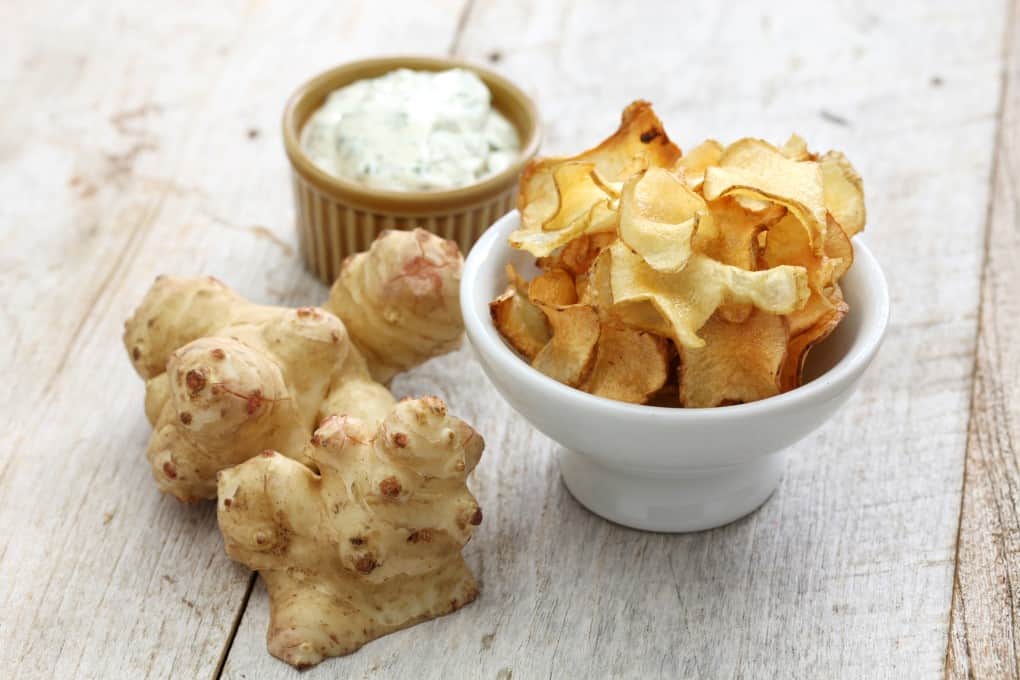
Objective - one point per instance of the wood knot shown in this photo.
(169, 470)
(476, 518)
(185, 417)
(218, 354)
(399, 440)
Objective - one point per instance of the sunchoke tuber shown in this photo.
(399, 301)
(227, 378)
(369, 545)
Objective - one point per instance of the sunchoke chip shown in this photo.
(357, 530)
(731, 253)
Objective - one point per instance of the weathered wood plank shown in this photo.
(847, 571)
(985, 628)
(140, 138)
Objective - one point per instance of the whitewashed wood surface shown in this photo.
(143, 137)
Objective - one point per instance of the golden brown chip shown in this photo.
(735, 238)
(687, 299)
(735, 242)
(800, 344)
(553, 288)
(640, 142)
(520, 322)
(659, 215)
(630, 365)
(570, 352)
(796, 149)
(583, 207)
(839, 248)
(844, 192)
(578, 192)
(694, 163)
(756, 169)
(577, 256)
(788, 243)
(537, 198)
(738, 363)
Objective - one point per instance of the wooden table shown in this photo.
(139, 138)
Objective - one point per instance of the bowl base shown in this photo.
(690, 501)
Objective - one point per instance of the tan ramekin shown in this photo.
(336, 217)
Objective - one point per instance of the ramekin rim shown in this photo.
(410, 201)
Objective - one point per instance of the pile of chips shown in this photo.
(695, 280)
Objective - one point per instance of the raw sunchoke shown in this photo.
(371, 543)
(226, 378)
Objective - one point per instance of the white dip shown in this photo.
(411, 130)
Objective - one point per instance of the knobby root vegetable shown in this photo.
(371, 543)
(399, 301)
(226, 378)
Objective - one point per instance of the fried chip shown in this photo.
(738, 363)
(735, 242)
(583, 206)
(732, 253)
(640, 142)
(694, 163)
(800, 344)
(578, 192)
(578, 255)
(796, 149)
(553, 288)
(687, 299)
(844, 192)
(787, 243)
(570, 353)
(520, 322)
(630, 365)
(659, 215)
(838, 248)
(756, 169)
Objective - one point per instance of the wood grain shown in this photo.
(847, 571)
(143, 139)
(985, 626)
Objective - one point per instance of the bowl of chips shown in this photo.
(676, 321)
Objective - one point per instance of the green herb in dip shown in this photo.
(411, 131)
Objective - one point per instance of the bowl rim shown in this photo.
(829, 385)
(392, 199)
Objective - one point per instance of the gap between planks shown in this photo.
(982, 639)
(225, 652)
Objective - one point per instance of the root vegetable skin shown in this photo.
(369, 545)
(226, 378)
(400, 300)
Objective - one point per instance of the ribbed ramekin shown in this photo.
(336, 217)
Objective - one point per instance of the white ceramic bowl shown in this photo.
(671, 469)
